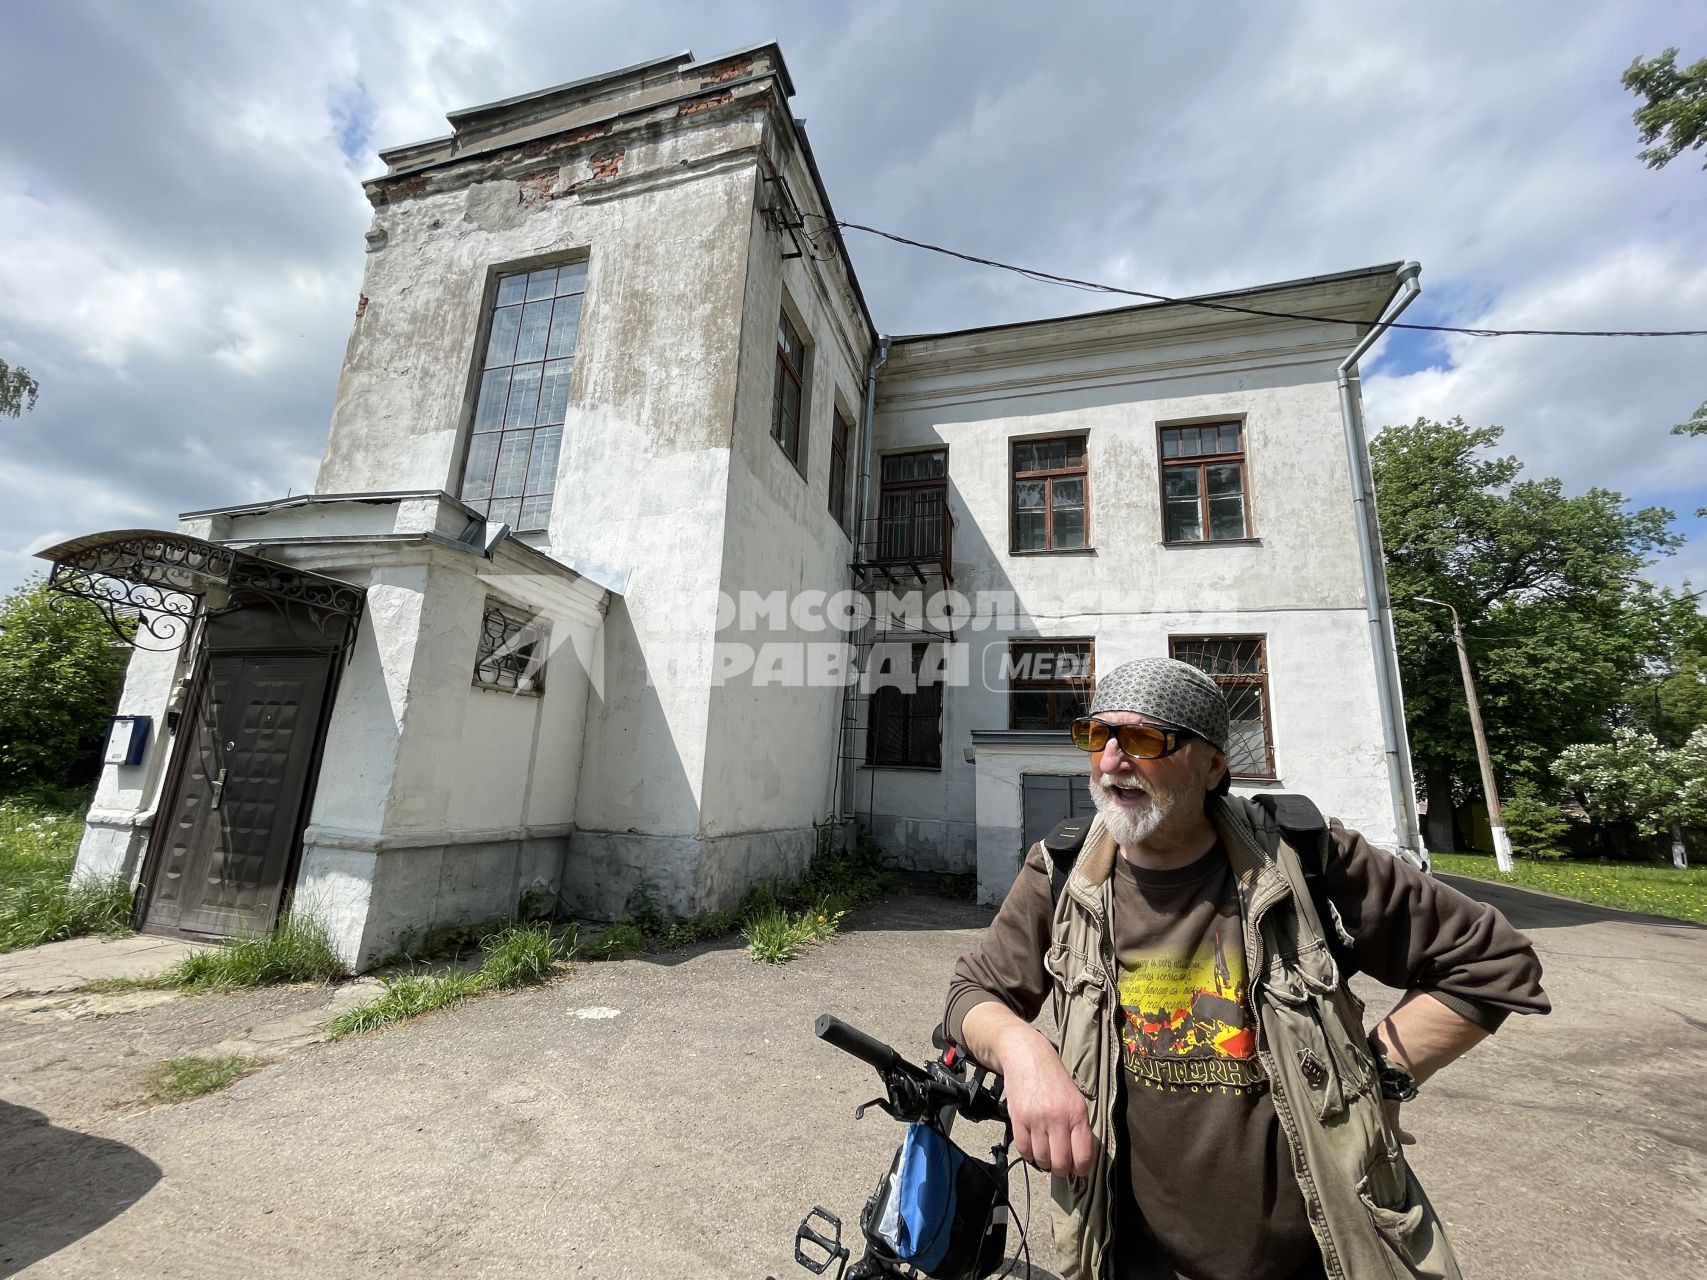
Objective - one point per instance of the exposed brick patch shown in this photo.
(606, 163)
(704, 104)
(563, 141)
(536, 187)
(731, 71)
(361, 306)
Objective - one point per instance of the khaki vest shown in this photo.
(1369, 1215)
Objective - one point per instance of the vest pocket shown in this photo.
(1079, 981)
(1396, 1205)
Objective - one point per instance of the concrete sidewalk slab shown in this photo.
(76, 962)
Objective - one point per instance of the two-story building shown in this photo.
(623, 487)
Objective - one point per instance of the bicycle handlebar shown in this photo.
(915, 1090)
(873, 1052)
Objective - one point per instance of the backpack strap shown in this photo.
(1063, 845)
(1305, 831)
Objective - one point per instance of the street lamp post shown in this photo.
(1502, 842)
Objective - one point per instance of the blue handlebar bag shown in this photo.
(924, 1196)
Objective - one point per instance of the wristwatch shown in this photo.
(1397, 1082)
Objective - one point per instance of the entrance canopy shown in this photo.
(153, 586)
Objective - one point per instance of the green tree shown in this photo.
(18, 390)
(60, 670)
(1674, 108)
(1673, 113)
(1560, 626)
(1634, 779)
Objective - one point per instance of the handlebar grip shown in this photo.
(852, 1040)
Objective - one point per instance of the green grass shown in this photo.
(775, 934)
(515, 956)
(299, 949)
(775, 921)
(38, 901)
(1658, 889)
(179, 1078)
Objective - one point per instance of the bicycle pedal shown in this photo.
(831, 1247)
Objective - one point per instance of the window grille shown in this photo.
(1049, 682)
(1239, 664)
(906, 727)
(512, 651)
(912, 505)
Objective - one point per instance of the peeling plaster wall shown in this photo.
(1298, 583)
(774, 744)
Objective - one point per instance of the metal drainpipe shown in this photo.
(879, 355)
(1377, 610)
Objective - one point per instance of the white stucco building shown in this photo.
(619, 463)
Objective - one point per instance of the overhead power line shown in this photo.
(1093, 286)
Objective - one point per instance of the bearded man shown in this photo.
(1215, 1109)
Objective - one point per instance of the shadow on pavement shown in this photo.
(58, 1185)
(1532, 909)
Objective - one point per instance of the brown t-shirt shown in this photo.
(1205, 1167)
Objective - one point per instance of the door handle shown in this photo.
(218, 789)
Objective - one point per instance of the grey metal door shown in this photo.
(1047, 799)
(229, 828)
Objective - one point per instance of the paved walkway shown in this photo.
(674, 1117)
(65, 966)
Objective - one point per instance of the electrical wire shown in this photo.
(1093, 286)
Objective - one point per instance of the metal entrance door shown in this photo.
(1048, 799)
(227, 832)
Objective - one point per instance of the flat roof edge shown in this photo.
(1228, 295)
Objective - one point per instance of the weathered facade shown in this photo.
(612, 425)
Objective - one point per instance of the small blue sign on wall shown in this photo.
(126, 739)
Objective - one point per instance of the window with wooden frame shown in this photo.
(1205, 497)
(1239, 664)
(913, 505)
(788, 413)
(512, 649)
(905, 730)
(1050, 495)
(511, 467)
(841, 440)
(1049, 682)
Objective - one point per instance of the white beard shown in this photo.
(1129, 829)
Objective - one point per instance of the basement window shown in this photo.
(512, 650)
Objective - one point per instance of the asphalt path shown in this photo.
(675, 1116)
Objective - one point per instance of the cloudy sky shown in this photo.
(181, 221)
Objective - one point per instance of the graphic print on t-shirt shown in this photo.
(1183, 1020)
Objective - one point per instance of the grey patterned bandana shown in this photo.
(1169, 690)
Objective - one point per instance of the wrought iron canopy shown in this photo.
(152, 586)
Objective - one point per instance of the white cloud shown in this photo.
(180, 227)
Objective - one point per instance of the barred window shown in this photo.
(913, 505)
(512, 650)
(1204, 496)
(1049, 682)
(1239, 665)
(524, 395)
(906, 725)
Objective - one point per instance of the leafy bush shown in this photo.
(60, 670)
(1536, 826)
